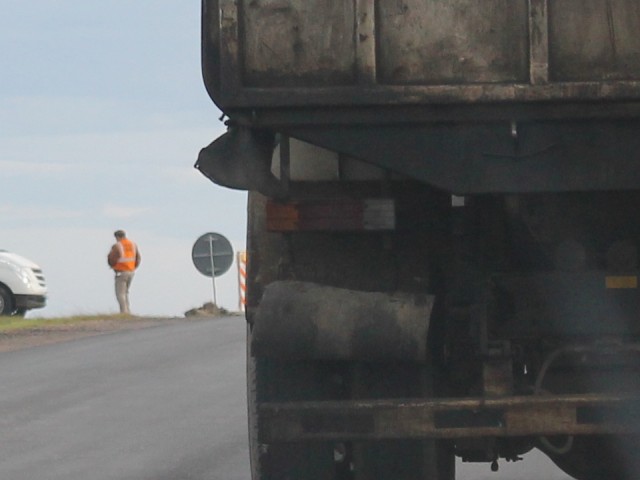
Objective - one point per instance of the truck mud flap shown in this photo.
(241, 159)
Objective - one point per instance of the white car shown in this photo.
(22, 285)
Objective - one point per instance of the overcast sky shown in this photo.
(102, 114)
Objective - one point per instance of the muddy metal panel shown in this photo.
(452, 42)
(594, 39)
(297, 43)
(282, 53)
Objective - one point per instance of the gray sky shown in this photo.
(102, 114)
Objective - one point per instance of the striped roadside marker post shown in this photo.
(241, 258)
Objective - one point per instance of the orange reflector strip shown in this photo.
(621, 281)
(331, 215)
(282, 217)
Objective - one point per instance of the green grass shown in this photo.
(12, 324)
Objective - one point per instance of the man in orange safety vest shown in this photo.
(124, 258)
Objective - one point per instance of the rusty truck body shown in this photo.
(443, 230)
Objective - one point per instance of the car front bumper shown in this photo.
(30, 301)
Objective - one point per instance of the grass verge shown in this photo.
(16, 324)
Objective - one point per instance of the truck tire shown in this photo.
(399, 459)
(6, 302)
(613, 457)
(277, 380)
(274, 380)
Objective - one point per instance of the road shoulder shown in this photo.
(33, 337)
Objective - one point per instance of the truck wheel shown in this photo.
(279, 381)
(6, 302)
(274, 380)
(613, 457)
(399, 459)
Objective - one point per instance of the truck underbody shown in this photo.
(442, 257)
(480, 326)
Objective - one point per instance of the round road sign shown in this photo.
(212, 253)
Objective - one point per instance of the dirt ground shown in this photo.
(16, 340)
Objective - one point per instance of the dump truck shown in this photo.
(443, 231)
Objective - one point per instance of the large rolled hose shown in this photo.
(302, 320)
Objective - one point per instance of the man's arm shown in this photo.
(114, 256)
(138, 257)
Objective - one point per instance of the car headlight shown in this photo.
(23, 273)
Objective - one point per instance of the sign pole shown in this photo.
(212, 259)
(213, 270)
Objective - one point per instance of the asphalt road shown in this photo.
(160, 403)
(163, 403)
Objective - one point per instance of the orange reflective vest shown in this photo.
(127, 260)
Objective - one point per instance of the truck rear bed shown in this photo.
(288, 53)
(470, 96)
